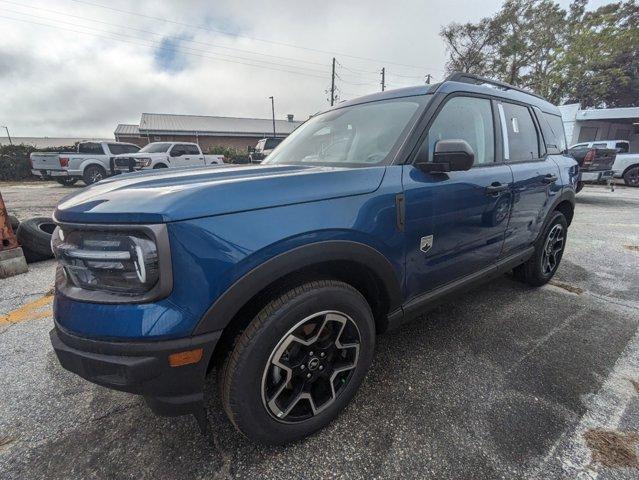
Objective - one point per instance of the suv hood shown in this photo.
(169, 195)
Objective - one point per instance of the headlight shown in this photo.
(112, 265)
(143, 162)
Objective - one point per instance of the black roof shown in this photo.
(463, 82)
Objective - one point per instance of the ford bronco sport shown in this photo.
(280, 275)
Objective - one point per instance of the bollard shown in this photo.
(12, 261)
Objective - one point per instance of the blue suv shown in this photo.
(280, 275)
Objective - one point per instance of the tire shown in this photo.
(34, 235)
(14, 222)
(631, 177)
(66, 181)
(248, 376)
(93, 174)
(159, 165)
(541, 267)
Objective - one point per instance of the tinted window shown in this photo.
(271, 143)
(191, 150)
(522, 135)
(622, 147)
(355, 136)
(465, 118)
(91, 148)
(118, 148)
(178, 150)
(552, 128)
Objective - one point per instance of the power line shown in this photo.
(159, 46)
(235, 34)
(250, 52)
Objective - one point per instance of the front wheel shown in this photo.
(549, 249)
(299, 362)
(631, 177)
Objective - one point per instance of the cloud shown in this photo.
(87, 69)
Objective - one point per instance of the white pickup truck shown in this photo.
(626, 164)
(90, 162)
(164, 155)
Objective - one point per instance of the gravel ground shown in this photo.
(507, 382)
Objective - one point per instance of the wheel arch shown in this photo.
(634, 165)
(360, 265)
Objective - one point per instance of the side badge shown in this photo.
(426, 243)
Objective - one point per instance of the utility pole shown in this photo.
(273, 112)
(383, 78)
(428, 79)
(333, 84)
(9, 136)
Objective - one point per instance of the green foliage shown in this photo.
(230, 153)
(590, 57)
(14, 160)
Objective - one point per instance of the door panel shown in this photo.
(467, 221)
(535, 176)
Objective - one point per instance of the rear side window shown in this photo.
(522, 145)
(118, 148)
(622, 147)
(271, 143)
(465, 118)
(552, 128)
(191, 150)
(91, 148)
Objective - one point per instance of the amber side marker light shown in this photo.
(186, 358)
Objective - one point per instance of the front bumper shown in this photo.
(598, 176)
(141, 368)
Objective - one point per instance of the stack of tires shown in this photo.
(34, 235)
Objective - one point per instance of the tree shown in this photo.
(577, 55)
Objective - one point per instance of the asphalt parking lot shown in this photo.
(506, 382)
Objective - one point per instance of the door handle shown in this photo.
(549, 178)
(495, 188)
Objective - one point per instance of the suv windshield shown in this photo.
(155, 148)
(356, 136)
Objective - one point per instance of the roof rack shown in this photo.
(479, 80)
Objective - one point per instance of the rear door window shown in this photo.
(523, 143)
(91, 148)
(191, 150)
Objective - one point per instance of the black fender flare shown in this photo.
(568, 194)
(235, 297)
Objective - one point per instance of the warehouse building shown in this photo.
(601, 124)
(207, 131)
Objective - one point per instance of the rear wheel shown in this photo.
(66, 181)
(93, 173)
(159, 165)
(631, 177)
(541, 267)
(299, 362)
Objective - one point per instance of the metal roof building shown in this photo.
(601, 124)
(205, 130)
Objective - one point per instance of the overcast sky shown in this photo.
(75, 68)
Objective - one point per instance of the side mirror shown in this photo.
(449, 156)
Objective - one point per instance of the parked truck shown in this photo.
(626, 163)
(90, 162)
(164, 155)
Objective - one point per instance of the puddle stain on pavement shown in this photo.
(612, 448)
(632, 248)
(567, 287)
